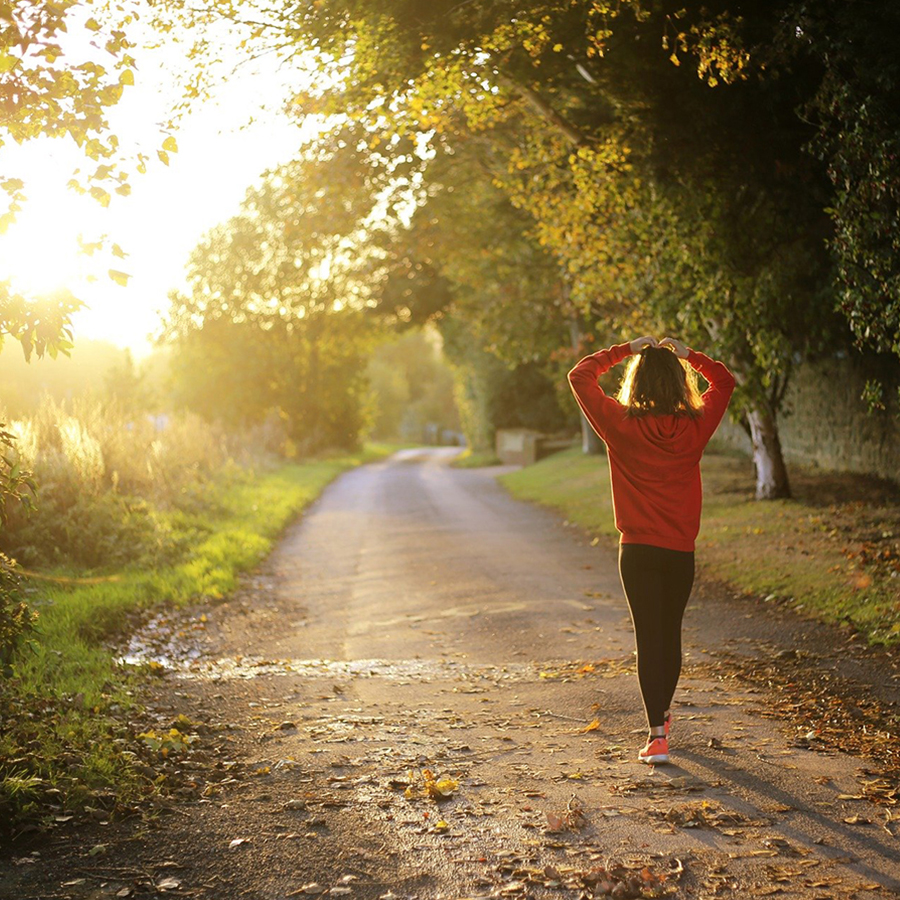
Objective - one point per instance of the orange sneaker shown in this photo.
(656, 751)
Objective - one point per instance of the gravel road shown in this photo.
(420, 635)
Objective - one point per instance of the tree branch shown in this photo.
(545, 110)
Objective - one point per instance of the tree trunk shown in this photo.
(771, 473)
(591, 445)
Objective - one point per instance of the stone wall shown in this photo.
(825, 423)
(524, 446)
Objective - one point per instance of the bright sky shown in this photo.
(169, 209)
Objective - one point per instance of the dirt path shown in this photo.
(417, 619)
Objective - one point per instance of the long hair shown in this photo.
(658, 383)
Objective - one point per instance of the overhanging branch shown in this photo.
(545, 110)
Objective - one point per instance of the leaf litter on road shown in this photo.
(706, 814)
(612, 878)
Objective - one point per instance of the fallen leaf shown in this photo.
(168, 884)
(554, 822)
(436, 787)
(237, 842)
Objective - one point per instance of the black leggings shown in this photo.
(657, 585)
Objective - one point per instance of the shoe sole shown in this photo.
(656, 759)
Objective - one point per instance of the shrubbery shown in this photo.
(109, 482)
(16, 619)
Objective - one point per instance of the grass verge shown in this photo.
(470, 460)
(833, 551)
(67, 734)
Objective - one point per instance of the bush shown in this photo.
(16, 619)
(109, 481)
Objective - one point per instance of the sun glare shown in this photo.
(40, 252)
(223, 147)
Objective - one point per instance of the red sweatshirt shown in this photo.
(654, 461)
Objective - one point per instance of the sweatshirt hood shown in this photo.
(668, 433)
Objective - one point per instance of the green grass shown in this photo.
(832, 551)
(470, 460)
(68, 695)
(572, 483)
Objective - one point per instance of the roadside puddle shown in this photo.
(410, 670)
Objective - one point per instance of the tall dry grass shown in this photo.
(108, 478)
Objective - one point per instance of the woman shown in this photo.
(655, 433)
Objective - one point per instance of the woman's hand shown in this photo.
(679, 348)
(638, 344)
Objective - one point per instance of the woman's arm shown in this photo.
(716, 396)
(599, 409)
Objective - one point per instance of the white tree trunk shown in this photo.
(771, 473)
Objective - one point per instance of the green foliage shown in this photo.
(492, 394)
(276, 317)
(495, 274)
(39, 325)
(856, 108)
(16, 483)
(504, 311)
(17, 621)
(410, 386)
(50, 89)
(306, 376)
(656, 154)
(46, 92)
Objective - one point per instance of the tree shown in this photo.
(43, 91)
(504, 315)
(410, 387)
(308, 375)
(51, 87)
(730, 218)
(278, 300)
(855, 108)
(634, 134)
